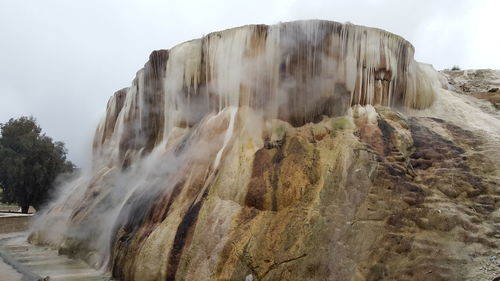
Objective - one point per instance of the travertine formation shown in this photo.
(276, 153)
(481, 83)
(295, 72)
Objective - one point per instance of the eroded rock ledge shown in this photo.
(277, 153)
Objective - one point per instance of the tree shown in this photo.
(30, 162)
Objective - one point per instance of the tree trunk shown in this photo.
(25, 208)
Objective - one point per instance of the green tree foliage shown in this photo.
(30, 162)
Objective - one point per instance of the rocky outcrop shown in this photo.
(278, 153)
(295, 72)
(481, 83)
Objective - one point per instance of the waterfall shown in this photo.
(165, 136)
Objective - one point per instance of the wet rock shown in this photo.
(200, 175)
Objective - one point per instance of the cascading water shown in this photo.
(241, 140)
(294, 72)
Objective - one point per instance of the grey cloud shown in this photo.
(61, 60)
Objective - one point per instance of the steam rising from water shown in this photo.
(295, 72)
(173, 126)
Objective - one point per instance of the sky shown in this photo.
(61, 60)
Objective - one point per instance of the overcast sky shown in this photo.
(61, 60)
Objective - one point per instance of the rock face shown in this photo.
(481, 83)
(277, 153)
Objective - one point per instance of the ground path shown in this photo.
(21, 261)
